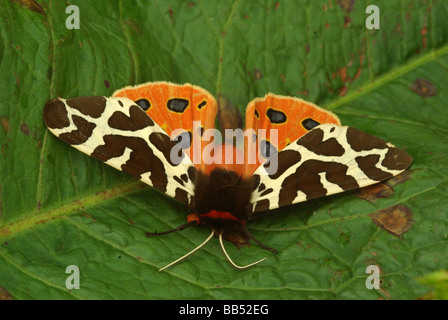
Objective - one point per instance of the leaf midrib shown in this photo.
(389, 76)
(39, 216)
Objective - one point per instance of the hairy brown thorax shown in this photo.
(222, 202)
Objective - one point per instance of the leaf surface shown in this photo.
(59, 207)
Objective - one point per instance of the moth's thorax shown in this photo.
(222, 202)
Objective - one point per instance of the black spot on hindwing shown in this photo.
(309, 123)
(184, 139)
(202, 104)
(143, 103)
(178, 104)
(276, 116)
(267, 149)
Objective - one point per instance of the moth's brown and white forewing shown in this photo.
(118, 132)
(327, 160)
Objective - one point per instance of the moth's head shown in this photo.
(224, 226)
(223, 223)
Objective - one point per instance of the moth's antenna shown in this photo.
(191, 252)
(179, 228)
(233, 263)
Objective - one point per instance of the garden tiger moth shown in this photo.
(139, 130)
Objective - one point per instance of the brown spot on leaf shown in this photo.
(257, 74)
(396, 219)
(343, 90)
(402, 177)
(31, 5)
(374, 192)
(4, 294)
(346, 5)
(17, 80)
(5, 124)
(423, 32)
(1, 207)
(134, 25)
(347, 21)
(343, 72)
(305, 93)
(424, 88)
(24, 129)
(383, 189)
(88, 216)
(408, 17)
(106, 83)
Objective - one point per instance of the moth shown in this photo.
(159, 132)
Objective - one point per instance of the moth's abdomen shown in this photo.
(222, 190)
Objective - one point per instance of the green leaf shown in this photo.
(438, 281)
(58, 207)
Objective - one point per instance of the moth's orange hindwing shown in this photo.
(288, 118)
(180, 110)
